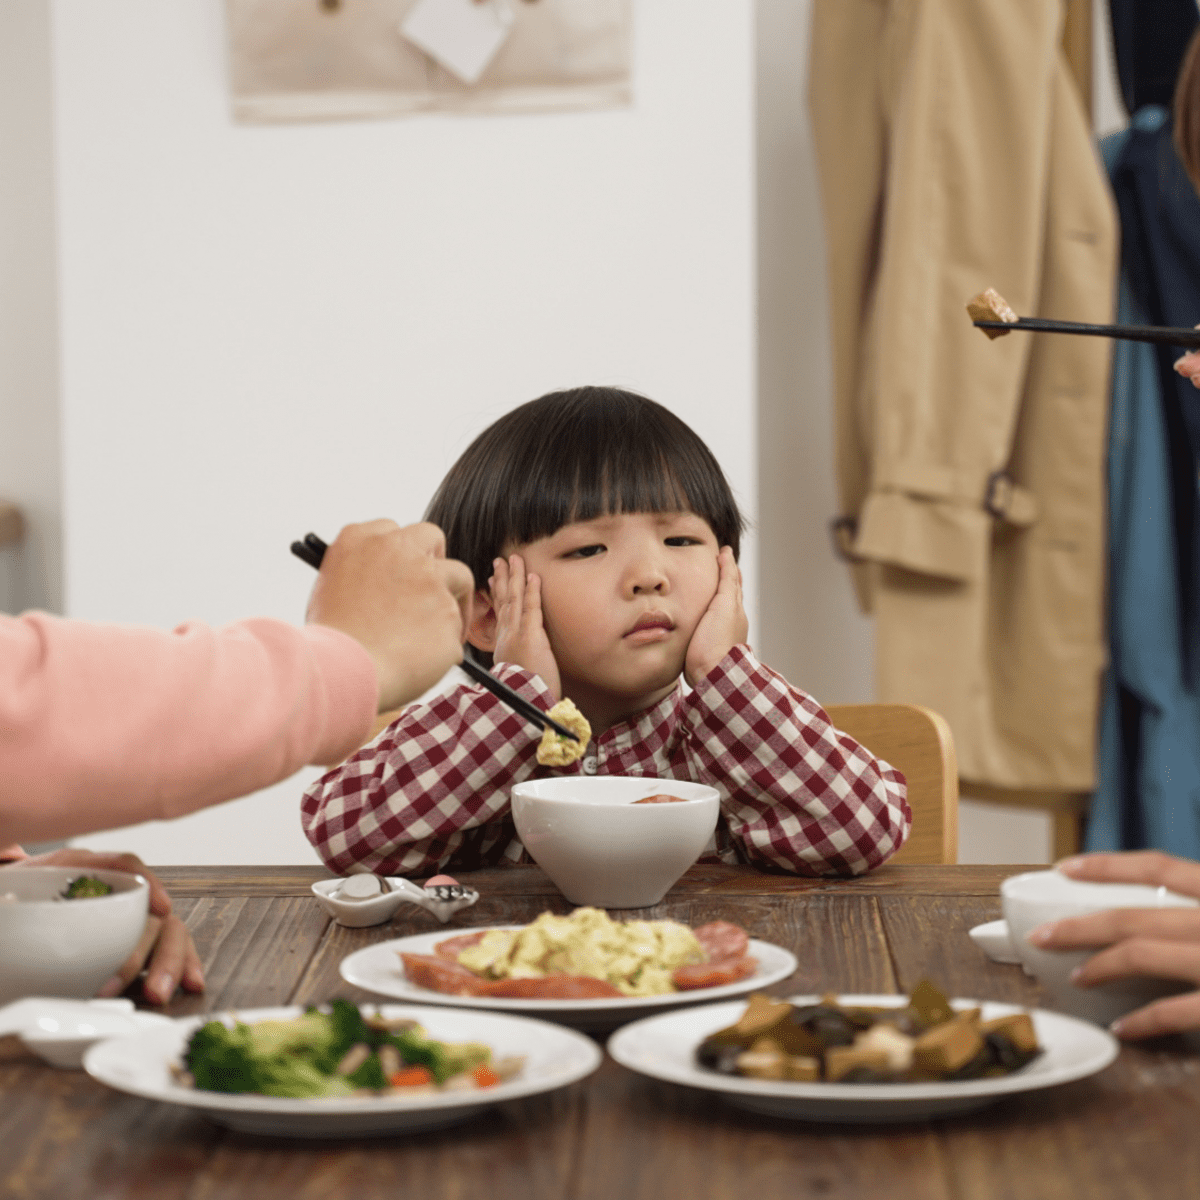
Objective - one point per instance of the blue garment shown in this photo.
(1148, 794)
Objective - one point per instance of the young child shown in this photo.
(608, 537)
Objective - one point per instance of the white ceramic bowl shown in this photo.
(1036, 897)
(600, 847)
(53, 947)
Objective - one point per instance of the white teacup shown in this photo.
(1037, 897)
(599, 846)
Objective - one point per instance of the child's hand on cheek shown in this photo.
(723, 625)
(520, 635)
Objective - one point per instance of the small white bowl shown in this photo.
(55, 947)
(600, 847)
(1032, 899)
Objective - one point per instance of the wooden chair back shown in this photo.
(918, 743)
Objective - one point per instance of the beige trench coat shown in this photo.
(954, 155)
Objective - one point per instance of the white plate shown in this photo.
(664, 1047)
(554, 1057)
(378, 969)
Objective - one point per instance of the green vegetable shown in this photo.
(299, 1057)
(85, 887)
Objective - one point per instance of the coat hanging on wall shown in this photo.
(312, 60)
(955, 154)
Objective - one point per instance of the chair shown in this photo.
(918, 743)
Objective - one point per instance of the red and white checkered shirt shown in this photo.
(431, 792)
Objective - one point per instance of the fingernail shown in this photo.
(1117, 1027)
(162, 986)
(1042, 934)
(114, 987)
(1076, 975)
(1069, 866)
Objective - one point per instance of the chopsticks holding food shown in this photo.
(312, 551)
(991, 313)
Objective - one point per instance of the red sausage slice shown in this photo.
(721, 940)
(552, 987)
(451, 948)
(440, 975)
(713, 974)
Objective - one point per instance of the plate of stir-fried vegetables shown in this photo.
(338, 1070)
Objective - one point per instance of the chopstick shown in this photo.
(1187, 339)
(312, 551)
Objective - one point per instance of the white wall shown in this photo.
(31, 575)
(267, 330)
(811, 628)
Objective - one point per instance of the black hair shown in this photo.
(572, 456)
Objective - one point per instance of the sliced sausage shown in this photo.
(721, 940)
(713, 974)
(451, 948)
(440, 975)
(552, 987)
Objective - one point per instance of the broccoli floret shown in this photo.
(85, 887)
(223, 1060)
(251, 1059)
(369, 1075)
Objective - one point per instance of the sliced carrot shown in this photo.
(484, 1076)
(411, 1077)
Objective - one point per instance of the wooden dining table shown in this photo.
(1131, 1131)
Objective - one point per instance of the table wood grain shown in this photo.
(1127, 1133)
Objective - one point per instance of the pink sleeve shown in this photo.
(102, 725)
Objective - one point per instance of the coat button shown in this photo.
(590, 766)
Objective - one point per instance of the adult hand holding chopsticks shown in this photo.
(394, 591)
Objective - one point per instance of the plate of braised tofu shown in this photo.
(868, 1058)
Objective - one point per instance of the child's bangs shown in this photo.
(639, 458)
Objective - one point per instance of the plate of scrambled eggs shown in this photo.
(636, 962)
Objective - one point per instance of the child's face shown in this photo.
(621, 597)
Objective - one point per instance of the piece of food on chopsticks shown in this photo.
(335, 1053)
(989, 305)
(554, 750)
(586, 955)
(924, 1041)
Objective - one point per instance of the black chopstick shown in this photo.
(1185, 339)
(312, 551)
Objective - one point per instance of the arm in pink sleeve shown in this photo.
(102, 726)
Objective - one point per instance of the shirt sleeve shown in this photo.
(104, 725)
(798, 794)
(432, 790)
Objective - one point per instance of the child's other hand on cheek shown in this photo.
(723, 625)
(520, 635)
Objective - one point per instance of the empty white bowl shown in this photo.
(1032, 899)
(600, 847)
(54, 947)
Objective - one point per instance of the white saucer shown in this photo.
(61, 1031)
(994, 941)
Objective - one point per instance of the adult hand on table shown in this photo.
(165, 952)
(1158, 942)
(395, 591)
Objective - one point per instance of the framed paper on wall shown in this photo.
(312, 60)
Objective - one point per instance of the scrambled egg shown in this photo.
(636, 957)
(554, 750)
